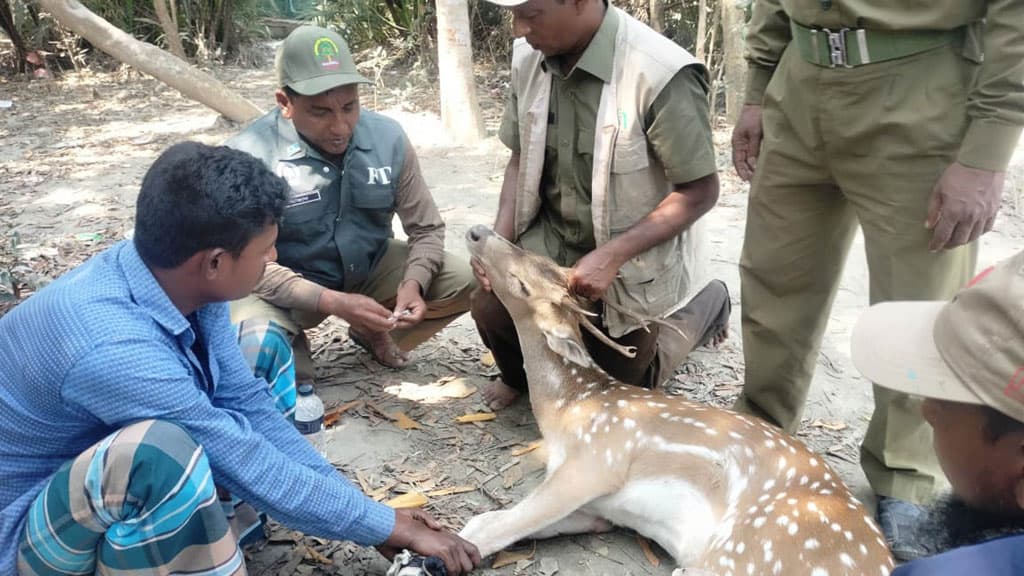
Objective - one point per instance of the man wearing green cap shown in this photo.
(901, 117)
(350, 172)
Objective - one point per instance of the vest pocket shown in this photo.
(630, 155)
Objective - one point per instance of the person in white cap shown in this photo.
(612, 165)
(966, 358)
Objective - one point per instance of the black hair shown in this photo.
(998, 425)
(196, 197)
(291, 93)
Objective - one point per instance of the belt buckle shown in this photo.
(837, 47)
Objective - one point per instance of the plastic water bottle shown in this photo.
(309, 417)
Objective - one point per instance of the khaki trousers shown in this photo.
(447, 298)
(843, 146)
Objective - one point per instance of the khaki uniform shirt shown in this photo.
(996, 101)
(677, 127)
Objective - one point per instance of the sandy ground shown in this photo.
(72, 158)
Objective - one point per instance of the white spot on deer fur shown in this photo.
(759, 521)
(777, 567)
(574, 371)
(791, 501)
(782, 520)
(811, 544)
(752, 510)
(782, 462)
(836, 527)
(863, 550)
(827, 476)
(729, 546)
(792, 529)
(803, 480)
(621, 403)
(586, 438)
(750, 568)
(628, 423)
(846, 560)
(848, 535)
(615, 419)
(711, 432)
(607, 428)
(812, 506)
(559, 403)
(814, 462)
(819, 571)
(790, 474)
(575, 409)
(815, 485)
(735, 436)
(768, 554)
(769, 444)
(768, 485)
(748, 451)
(741, 547)
(871, 524)
(885, 570)
(579, 380)
(665, 415)
(763, 498)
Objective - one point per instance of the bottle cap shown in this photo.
(305, 389)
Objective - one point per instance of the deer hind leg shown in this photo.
(560, 495)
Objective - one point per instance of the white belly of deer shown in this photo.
(668, 510)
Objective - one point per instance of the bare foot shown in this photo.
(382, 347)
(497, 395)
(720, 338)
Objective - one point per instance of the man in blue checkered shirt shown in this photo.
(124, 398)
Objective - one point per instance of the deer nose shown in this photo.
(478, 233)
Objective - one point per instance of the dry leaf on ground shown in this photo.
(334, 414)
(409, 500)
(444, 389)
(528, 448)
(645, 545)
(450, 491)
(478, 417)
(403, 421)
(835, 427)
(506, 557)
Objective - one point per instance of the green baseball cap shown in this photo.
(313, 60)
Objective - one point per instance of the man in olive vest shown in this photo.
(900, 117)
(612, 164)
(350, 172)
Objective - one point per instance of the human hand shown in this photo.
(593, 274)
(361, 312)
(746, 141)
(481, 275)
(963, 205)
(418, 531)
(409, 305)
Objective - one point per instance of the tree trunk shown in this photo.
(733, 19)
(657, 11)
(8, 25)
(147, 58)
(702, 30)
(170, 26)
(460, 110)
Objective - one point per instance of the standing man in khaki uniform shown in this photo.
(350, 171)
(890, 115)
(612, 163)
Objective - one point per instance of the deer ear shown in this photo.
(568, 348)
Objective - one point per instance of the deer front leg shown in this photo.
(563, 492)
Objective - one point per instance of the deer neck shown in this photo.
(555, 383)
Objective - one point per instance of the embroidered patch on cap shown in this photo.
(326, 52)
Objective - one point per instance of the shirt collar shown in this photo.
(148, 293)
(597, 57)
(290, 146)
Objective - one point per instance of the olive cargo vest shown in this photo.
(336, 223)
(628, 181)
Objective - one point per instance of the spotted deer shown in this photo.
(723, 493)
